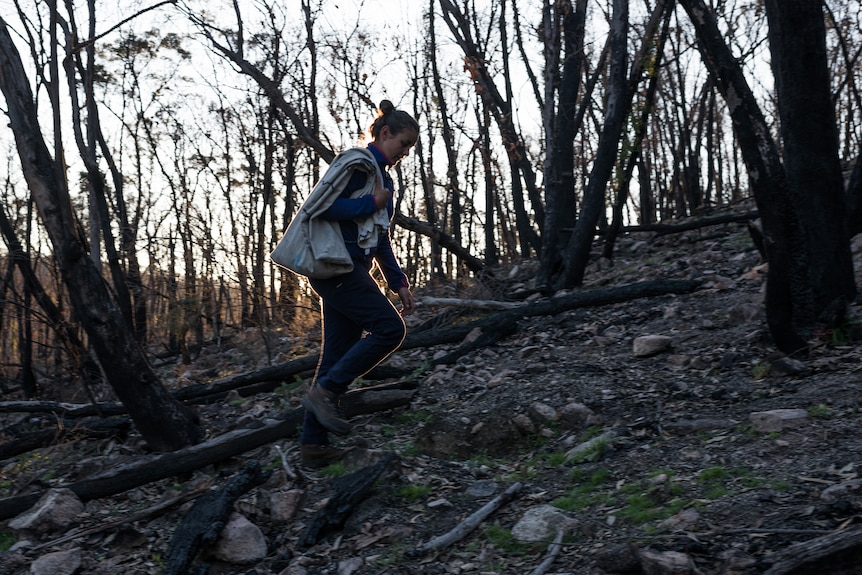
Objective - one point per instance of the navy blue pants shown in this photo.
(360, 327)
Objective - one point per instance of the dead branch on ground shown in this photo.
(834, 549)
(468, 525)
(163, 465)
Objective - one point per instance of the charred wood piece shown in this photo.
(350, 490)
(201, 526)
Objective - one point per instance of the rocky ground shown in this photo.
(710, 454)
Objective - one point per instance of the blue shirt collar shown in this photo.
(379, 155)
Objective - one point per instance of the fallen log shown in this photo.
(275, 373)
(204, 522)
(838, 549)
(350, 490)
(469, 303)
(63, 430)
(468, 525)
(693, 224)
(552, 306)
(375, 398)
(163, 465)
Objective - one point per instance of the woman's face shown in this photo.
(396, 146)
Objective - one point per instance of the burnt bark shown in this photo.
(840, 550)
(577, 251)
(163, 465)
(853, 197)
(560, 197)
(797, 38)
(350, 490)
(651, 50)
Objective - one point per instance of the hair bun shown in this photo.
(386, 107)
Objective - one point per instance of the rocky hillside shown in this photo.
(656, 435)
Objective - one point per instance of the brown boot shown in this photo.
(322, 455)
(322, 403)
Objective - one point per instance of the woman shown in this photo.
(361, 327)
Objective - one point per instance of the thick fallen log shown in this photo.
(495, 327)
(204, 522)
(693, 224)
(375, 398)
(63, 430)
(163, 465)
(275, 373)
(469, 303)
(350, 490)
(468, 525)
(371, 399)
(839, 549)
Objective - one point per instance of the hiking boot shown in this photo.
(322, 455)
(322, 403)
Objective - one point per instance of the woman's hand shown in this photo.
(408, 304)
(381, 194)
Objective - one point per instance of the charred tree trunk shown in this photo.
(797, 38)
(652, 50)
(560, 198)
(203, 524)
(577, 251)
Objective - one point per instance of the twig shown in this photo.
(468, 525)
(283, 455)
(553, 551)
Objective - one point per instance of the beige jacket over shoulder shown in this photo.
(313, 246)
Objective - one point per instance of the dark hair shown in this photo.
(397, 120)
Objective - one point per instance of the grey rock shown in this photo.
(57, 563)
(541, 524)
(57, 509)
(242, 542)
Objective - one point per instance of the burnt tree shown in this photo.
(164, 422)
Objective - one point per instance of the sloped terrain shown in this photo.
(679, 481)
